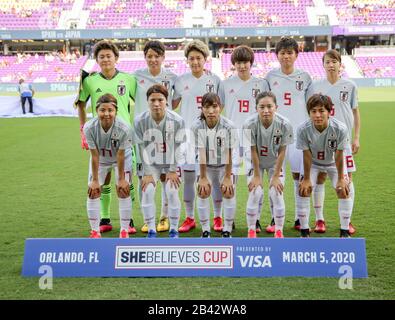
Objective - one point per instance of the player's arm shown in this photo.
(256, 179)
(94, 185)
(305, 186)
(80, 104)
(204, 187)
(123, 185)
(227, 185)
(357, 129)
(175, 103)
(342, 188)
(275, 181)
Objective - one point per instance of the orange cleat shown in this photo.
(218, 224)
(187, 225)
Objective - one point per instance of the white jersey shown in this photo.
(159, 144)
(238, 97)
(145, 80)
(323, 145)
(216, 140)
(290, 91)
(119, 137)
(268, 141)
(344, 97)
(191, 90)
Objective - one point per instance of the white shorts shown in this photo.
(294, 157)
(104, 169)
(270, 172)
(330, 171)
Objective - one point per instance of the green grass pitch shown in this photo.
(43, 192)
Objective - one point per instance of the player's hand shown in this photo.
(276, 183)
(174, 179)
(305, 188)
(94, 189)
(145, 181)
(204, 188)
(84, 144)
(227, 188)
(342, 189)
(355, 146)
(254, 183)
(123, 188)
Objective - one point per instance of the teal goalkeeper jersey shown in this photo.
(122, 86)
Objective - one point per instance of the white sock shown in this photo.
(174, 206)
(252, 207)
(125, 212)
(352, 194)
(140, 192)
(229, 213)
(93, 209)
(345, 211)
(204, 213)
(260, 204)
(296, 194)
(278, 208)
(165, 202)
(303, 208)
(318, 201)
(189, 193)
(148, 206)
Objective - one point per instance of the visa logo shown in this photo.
(255, 261)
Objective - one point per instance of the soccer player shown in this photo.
(215, 136)
(109, 140)
(189, 89)
(323, 140)
(290, 86)
(344, 96)
(123, 87)
(238, 94)
(268, 135)
(160, 133)
(154, 55)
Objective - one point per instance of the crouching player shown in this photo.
(159, 134)
(268, 134)
(215, 136)
(323, 140)
(110, 141)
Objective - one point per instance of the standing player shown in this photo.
(123, 87)
(290, 85)
(238, 94)
(189, 89)
(160, 132)
(344, 97)
(154, 55)
(268, 135)
(109, 140)
(215, 138)
(323, 140)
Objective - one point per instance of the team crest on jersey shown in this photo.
(166, 84)
(121, 88)
(114, 143)
(277, 137)
(255, 92)
(209, 87)
(220, 141)
(332, 143)
(343, 95)
(299, 85)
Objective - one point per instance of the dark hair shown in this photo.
(242, 53)
(107, 98)
(287, 43)
(155, 45)
(105, 45)
(209, 99)
(157, 88)
(265, 94)
(332, 54)
(319, 100)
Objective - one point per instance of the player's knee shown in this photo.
(148, 194)
(255, 195)
(171, 191)
(276, 197)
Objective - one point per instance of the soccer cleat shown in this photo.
(351, 228)
(131, 228)
(105, 225)
(251, 233)
(123, 234)
(297, 225)
(320, 226)
(218, 224)
(278, 234)
(206, 234)
(151, 234)
(163, 225)
(187, 225)
(305, 233)
(271, 227)
(345, 233)
(173, 233)
(144, 228)
(226, 234)
(94, 234)
(258, 227)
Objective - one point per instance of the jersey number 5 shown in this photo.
(287, 99)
